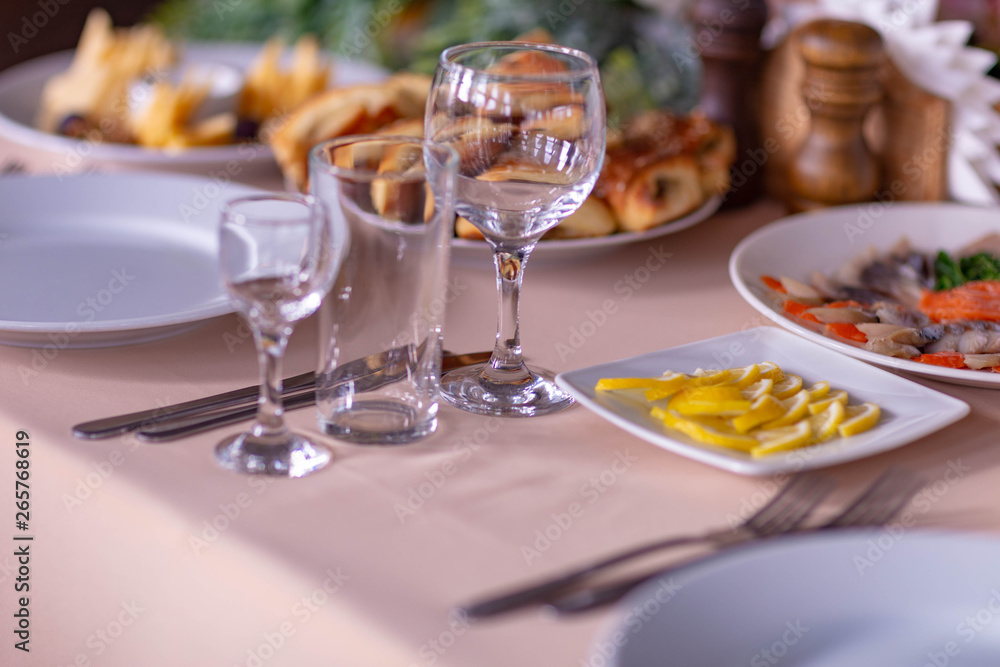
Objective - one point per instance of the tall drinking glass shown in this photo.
(528, 122)
(278, 259)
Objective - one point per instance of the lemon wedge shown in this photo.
(764, 409)
(665, 386)
(860, 418)
(610, 384)
(787, 386)
(819, 390)
(746, 376)
(796, 407)
(825, 424)
(703, 433)
(771, 371)
(835, 396)
(723, 400)
(782, 439)
(757, 389)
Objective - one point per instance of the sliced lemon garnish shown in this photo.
(610, 384)
(770, 371)
(787, 386)
(764, 409)
(707, 378)
(746, 376)
(796, 407)
(704, 433)
(860, 418)
(819, 390)
(724, 400)
(782, 439)
(757, 389)
(835, 396)
(824, 424)
(665, 386)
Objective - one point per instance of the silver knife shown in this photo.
(245, 398)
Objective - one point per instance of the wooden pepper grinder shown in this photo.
(727, 34)
(834, 165)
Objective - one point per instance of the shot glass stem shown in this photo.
(270, 409)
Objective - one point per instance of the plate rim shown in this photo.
(31, 137)
(468, 248)
(966, 377)
(216, 307)
(952, 410)
(762, 550)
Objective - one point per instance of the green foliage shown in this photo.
(633, 44)
(948, 273)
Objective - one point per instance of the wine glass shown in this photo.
(528, 123)
(278, 259)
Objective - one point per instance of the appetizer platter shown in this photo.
(913, 288)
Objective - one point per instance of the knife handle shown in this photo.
(163, 432)
(109, 426)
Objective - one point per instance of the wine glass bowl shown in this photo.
(528, 123)
(278, 259)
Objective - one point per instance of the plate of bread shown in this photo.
(134, 97)
(662, 173)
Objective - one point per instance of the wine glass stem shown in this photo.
(270, 409)
(507, 363)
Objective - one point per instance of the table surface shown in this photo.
(152, 555)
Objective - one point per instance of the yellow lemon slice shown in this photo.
(764, 409)
(795, 407)
(824, 425)
(782, 439)
(746, 376)
(703, 433)
(724, 400)
(665, 386)
(860, 418)
(757, 389)
(787, 386)
(610, 384)
(770, 371)
(706, 378)
(819, 390)
(835, 396)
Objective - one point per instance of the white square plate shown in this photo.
(909, 410)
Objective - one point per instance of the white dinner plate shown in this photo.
(909, 410)
(21, 88)
(467, 249)
(107, 259)
(824, 240)
(860, 598)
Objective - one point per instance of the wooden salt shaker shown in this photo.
(727, 35)
(834, 164)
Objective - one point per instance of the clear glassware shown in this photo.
(278, 259)
(528, 123)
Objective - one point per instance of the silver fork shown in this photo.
(786, 512)
(875, 506)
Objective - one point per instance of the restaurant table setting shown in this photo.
(255, 415)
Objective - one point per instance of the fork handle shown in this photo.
(599, 596)
(540, 592)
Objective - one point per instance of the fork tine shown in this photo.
(806, 493)
(883, 498)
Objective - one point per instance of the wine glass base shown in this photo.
(292, 456)
(467, 389)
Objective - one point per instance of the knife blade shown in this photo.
(247, 396)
